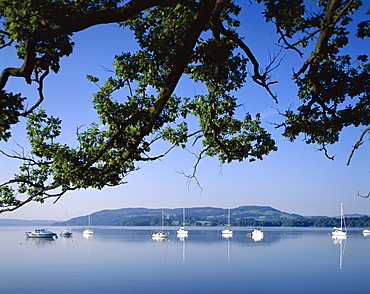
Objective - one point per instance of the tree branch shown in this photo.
(260, 79)
(357, 145)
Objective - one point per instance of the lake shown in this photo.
(127, 260)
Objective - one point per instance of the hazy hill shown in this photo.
(194, 216)
(21, 222)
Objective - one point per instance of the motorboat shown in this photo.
(257, 235)
(342, 231)
(41, 233)
(366, 232)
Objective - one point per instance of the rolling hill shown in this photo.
(194, 216)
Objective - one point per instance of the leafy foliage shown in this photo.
(197, 39)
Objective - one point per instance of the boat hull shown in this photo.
(159, 235)
(339, 233)
(88, 232)
(66, 234)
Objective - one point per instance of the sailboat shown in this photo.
(181, 231)
(89, 230)
(160, 235)
(227, 233)
(66, 232)
(342, 231)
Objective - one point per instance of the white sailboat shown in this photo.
(342, 231)
(66, 232)
(181, 233)
(89, 230)
(160, 235)
(227, 233)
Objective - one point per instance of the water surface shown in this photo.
(126, 260)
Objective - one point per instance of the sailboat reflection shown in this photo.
(164, 249)
(342, 241)
(182, 239)
(228, 249)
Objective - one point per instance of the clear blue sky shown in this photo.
(296, 179)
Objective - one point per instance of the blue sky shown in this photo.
(296, 179)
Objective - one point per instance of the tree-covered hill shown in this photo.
(194, 216)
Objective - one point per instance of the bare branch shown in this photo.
(363, 196)
(357, 145)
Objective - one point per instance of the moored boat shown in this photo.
(66, 233)
(160, 235)
(41, 233)
(227, 233)
(342, 231)
(181, 232)
(89, 230)
(257, 235)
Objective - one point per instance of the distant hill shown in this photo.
(194, 216)
(21, 222)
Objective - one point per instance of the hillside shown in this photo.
(194, 216)
(21, 222)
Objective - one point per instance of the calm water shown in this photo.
(126, 260)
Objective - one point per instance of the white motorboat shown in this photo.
(257, 235)
(160, 235)
(342, 231)
(227, 233)
(181, 232)
(89, 230)
(41, 233)
(366, 232)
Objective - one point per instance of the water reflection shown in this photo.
(126, 260)
(228, 249)
(165, 242)
(342, 241)
(40, 242)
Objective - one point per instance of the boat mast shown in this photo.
(162, 220)
(342, 219)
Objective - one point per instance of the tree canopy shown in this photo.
(198, 39)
